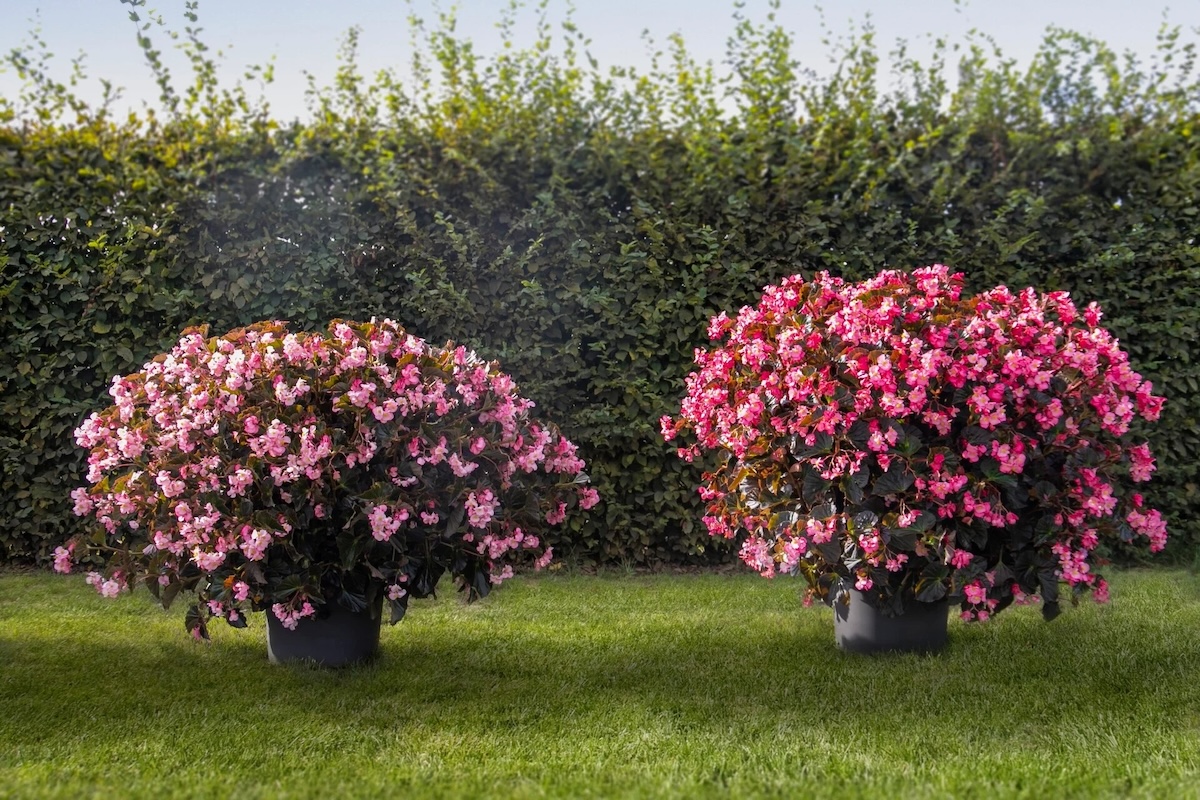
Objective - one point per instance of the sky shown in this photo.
(304, 35)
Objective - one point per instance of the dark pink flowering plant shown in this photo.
(899, 438)
(275, 470)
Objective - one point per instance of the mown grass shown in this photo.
(689, 686)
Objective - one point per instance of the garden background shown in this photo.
(581, 225)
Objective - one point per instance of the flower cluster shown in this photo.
(271, 469)
(899, 437)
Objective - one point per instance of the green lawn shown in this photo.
(710, 685)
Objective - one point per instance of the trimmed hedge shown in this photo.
(581, 228)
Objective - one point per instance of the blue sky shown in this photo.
(303, 35)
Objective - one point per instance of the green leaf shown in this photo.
(822, 443)
(823, 511)
(1044, 491)
(352, 601)
(930, 590)
(194, 622)
(971, 537)
(853, 485)
(896, 480)
(1048, 587)
(480, 584)
(454, 522)
(399, 609)
(977, 436)
(830, 551)
(925, 521)
(169, 593)
(860, 433)
(814, 487)
(351, 548)
(865, 521)
(901, 538)
(854, 492)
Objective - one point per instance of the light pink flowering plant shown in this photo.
(276, 470)
(896, 437)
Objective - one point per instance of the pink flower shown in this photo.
(255, 543)
(385, 523)
(83, 502)
(821, 531)
(355, 357)
(1141, 462)
(498, 577)
(224, 446)
(718, 326)
(62, 559)
(461, 468)
(275, 440)
(960, 559)
(385, 411)
(756, 554)
(360, 393)
(870, 543)
(290, 617)
(207, 561)
(557, 514)
(588, 498)
(1150, 525)
(481, 507)
(239, 480)
(975, 593)
(288, 395)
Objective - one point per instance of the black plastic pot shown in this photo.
(860, 627)
(342, 638)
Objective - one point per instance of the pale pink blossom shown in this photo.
(224, 446)
(62, 559)
(481, 507)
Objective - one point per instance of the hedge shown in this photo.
(581, 226)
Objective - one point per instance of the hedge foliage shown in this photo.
(581, 226)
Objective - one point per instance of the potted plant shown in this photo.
(900, 445)
(315, 476)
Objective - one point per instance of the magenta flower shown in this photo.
(920, 443)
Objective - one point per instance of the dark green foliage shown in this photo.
(582, 227)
